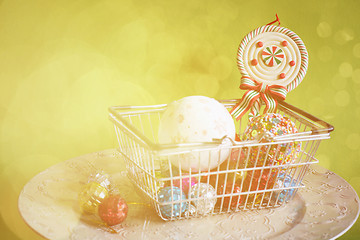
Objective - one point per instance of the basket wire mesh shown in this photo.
(245, 181)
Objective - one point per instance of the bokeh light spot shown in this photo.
(357, 95)
(356, 50)
(325, 53)
(356, 75)
(316, 105)
(342, 98)
(221, 67)
(343, 36)
(324, 30)
(339, 82)
(345, 69)
(204, 84)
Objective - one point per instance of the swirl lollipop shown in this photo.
(273, 55)
(272, 60)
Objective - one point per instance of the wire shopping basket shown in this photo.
(244, 181)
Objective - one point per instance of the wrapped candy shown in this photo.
(91, 196)
(233, 184)
(204, 198)
(167, 196)
(275, 197)
(185, 183)
(260, 179)
(233, 189)
(256, 180)
(219, 176)
(113, 210)
(237, 157)
(267, 126)
(100, 201)
(102, 178)
(214, 178)
(284, 181)
(256, 199)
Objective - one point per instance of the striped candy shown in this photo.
(272, 55)
(261, 90)
(271, 28)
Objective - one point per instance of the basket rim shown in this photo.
(320, 129)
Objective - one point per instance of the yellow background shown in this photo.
(63, 63)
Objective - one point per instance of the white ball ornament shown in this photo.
(196, 119)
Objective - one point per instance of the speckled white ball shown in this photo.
(196, 119)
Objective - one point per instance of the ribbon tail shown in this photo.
(244, 104)
(270, 104)
(271, 98)
(255, 109)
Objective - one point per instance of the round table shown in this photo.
(325, 208)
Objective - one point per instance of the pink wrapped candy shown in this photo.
(185, 183)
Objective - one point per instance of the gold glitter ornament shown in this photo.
(102, 178)
(91, 196)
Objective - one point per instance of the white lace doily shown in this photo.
(326, 208)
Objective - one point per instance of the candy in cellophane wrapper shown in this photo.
(265, 127)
